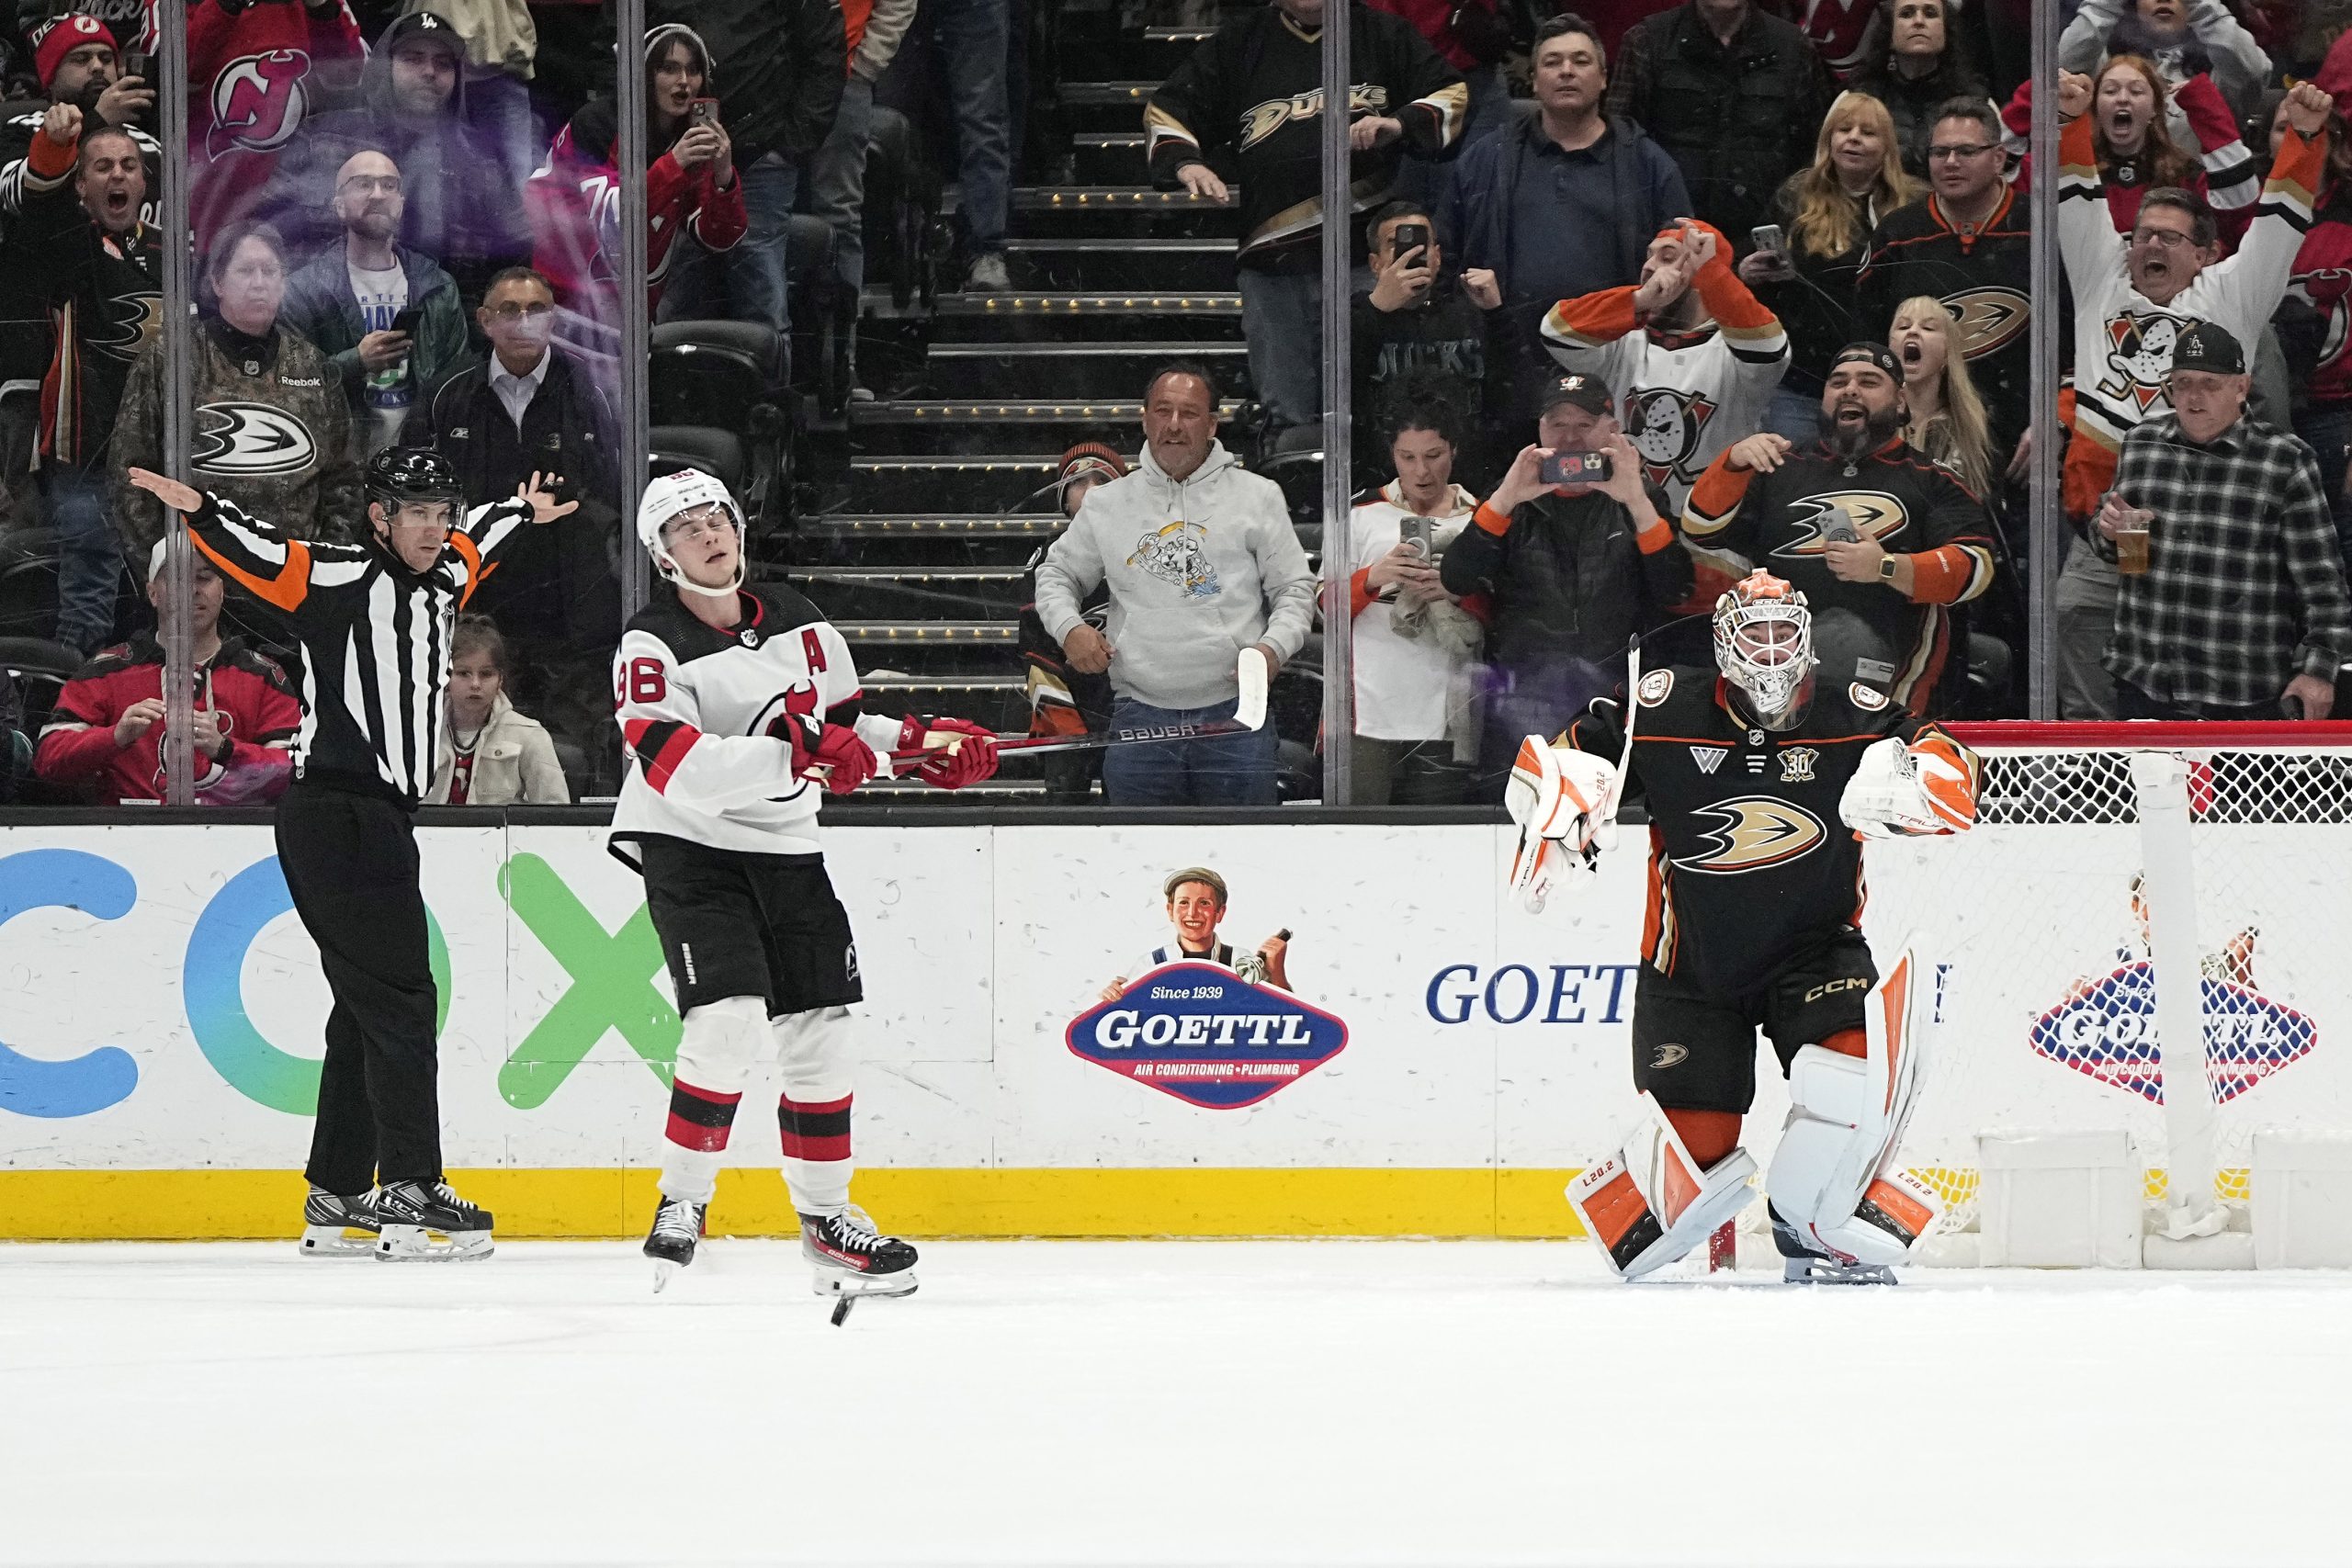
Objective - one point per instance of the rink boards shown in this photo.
(1448, 1062)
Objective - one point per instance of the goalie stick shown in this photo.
(1248, 715)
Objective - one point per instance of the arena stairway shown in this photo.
(919, 553)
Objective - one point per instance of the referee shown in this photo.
(373, 620)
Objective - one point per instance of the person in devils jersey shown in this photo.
(1869, 529)
(1755, 904)
(740, 708)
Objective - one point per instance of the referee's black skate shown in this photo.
(852, 1259)
(428, 1220)
(339, 1226)
(677, 1230)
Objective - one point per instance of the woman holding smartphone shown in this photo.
(1825, 213)
(691, 186)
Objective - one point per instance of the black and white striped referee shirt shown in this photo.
(374, 636)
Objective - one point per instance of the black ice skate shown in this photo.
(335, 1226)
(1801, 1265)
(851, 1260)
(429, 1221)
(677, 1228)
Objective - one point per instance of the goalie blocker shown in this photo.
(1754, 923)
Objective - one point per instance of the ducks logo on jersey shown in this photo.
(1178, 556)
(1754, 831)
(1873, 514)
(1989, 318)
(2139, 355)
(1665, 426)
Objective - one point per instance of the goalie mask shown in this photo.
(671, 496)
(1764, 644)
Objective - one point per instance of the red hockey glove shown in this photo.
(829, 752)
(973, 759)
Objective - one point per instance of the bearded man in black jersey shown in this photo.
(1755, 908)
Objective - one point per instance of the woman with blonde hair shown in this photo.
(1826, 212)
(1948, 424)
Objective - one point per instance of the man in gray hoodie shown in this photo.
(1202, 563)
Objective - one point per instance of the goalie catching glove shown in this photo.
(1564, 802)
(1929, 786)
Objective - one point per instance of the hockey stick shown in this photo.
(1248, 715)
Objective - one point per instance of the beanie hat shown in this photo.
(53, 40)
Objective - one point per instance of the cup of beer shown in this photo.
(2132, 539)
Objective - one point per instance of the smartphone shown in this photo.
(1769, 237)
(1576, 469)
(1418, 533)
(703, 111)
(407, 320)
(1407, 238)
(139, 64)
(1840, 530)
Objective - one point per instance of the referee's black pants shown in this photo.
(350, 861)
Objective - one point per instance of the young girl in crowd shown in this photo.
(2137, 153)
(1948, 420)
(491, 755)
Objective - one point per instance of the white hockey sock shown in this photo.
(715, 1053)
(816, 1162)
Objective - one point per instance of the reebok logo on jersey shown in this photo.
(1752, 832)
(1873, 514)
(1667, 1057)
(1708, 758)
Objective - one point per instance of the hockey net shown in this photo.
(2036, 929)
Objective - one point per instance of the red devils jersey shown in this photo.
(253, 76)
(694, 706)
(1749, 865)
(2322, 280)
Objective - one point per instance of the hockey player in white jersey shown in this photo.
(740, 707)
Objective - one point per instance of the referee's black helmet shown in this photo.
(402, 475)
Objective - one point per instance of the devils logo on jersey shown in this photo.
(1873, 514)
(1990, 318)
(801, 699)
(249, 441)
(2139, 355)
(2326, 291)
(1665, 426)
(1752, 832)
(258, 101)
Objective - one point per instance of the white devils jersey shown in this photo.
(694, 706)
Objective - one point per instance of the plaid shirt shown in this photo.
(2244, 587)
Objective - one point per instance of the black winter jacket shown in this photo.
(1566, 580)
(777, 68)
(1738, 119)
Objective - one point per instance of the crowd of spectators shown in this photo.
(1763, 266)
(405, 228)
(1774, 265)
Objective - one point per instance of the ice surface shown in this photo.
(1155, 1402)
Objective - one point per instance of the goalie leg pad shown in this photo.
(1835, 1180)
(717, 1046)
(1651, 1202)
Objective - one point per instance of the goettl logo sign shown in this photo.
(1207, 1036)
(2106, 1030)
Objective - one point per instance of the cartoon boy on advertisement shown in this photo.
(1196, 904)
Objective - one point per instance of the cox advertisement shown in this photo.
(1067, 1000)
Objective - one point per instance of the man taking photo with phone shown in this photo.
(1419, 319)
(1567, 572)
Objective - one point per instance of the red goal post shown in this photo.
(2149, 929)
